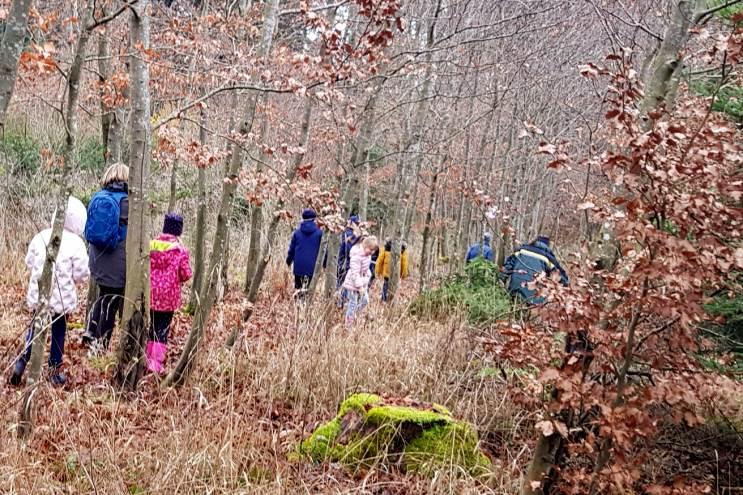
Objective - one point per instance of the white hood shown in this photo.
(75, 216)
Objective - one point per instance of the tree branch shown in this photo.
(176, 114)
(713, 10)
(110, 17)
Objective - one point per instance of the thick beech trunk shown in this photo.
(135, 320)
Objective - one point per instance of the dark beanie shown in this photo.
(309, 214)
(544, 239)
(173, 224)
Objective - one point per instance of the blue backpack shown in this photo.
(104, 211)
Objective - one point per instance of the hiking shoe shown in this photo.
(18, 369)
(96, 348)
(57, 378)
(88, 338)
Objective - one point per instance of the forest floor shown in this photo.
(234, 427)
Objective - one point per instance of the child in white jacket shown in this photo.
(71, 267)
(358, 276)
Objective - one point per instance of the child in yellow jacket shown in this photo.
(383, 266)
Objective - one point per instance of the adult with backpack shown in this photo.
(105, 231)
(481, 249)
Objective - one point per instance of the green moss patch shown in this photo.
(415, 437)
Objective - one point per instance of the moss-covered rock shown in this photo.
(373, 431)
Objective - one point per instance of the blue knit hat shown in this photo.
(354, 219)
(309, 214)
(173, 224)
(543, 239)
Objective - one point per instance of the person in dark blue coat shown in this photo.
(304, 249)
(481, 249)
(348, 240)
(525, 264)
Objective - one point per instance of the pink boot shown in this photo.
(155, 355)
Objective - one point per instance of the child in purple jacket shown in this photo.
(169, 269)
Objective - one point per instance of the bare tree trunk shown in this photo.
(10, 51)
(256, 220)
(411, 207)
(42, 318)
(271, 237)
(364, 186)
(417, 143)
(666, 66)
(200, 234)
(349, 184)
(135, 320)
(104, 69)
(255, 283)
(425, 249)
(542, 464)
(209, 292)
(173, 196)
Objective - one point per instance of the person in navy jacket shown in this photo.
(525, 264)
(304, 249)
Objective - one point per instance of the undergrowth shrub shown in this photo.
(729, 99)
(476, 291)
(91, 155)
(727, 308)
(19, 152)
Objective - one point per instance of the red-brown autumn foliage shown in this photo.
(674, 208)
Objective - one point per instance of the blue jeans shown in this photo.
(356, 303)
(59, 330)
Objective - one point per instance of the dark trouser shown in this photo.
(59, 330)
(103, 315)
(386, 289)
(160, 325)
(302, 282)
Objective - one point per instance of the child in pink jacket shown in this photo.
(169, 269)
(358, 276)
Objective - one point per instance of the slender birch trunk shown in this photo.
(136, 317)
(42, 318)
